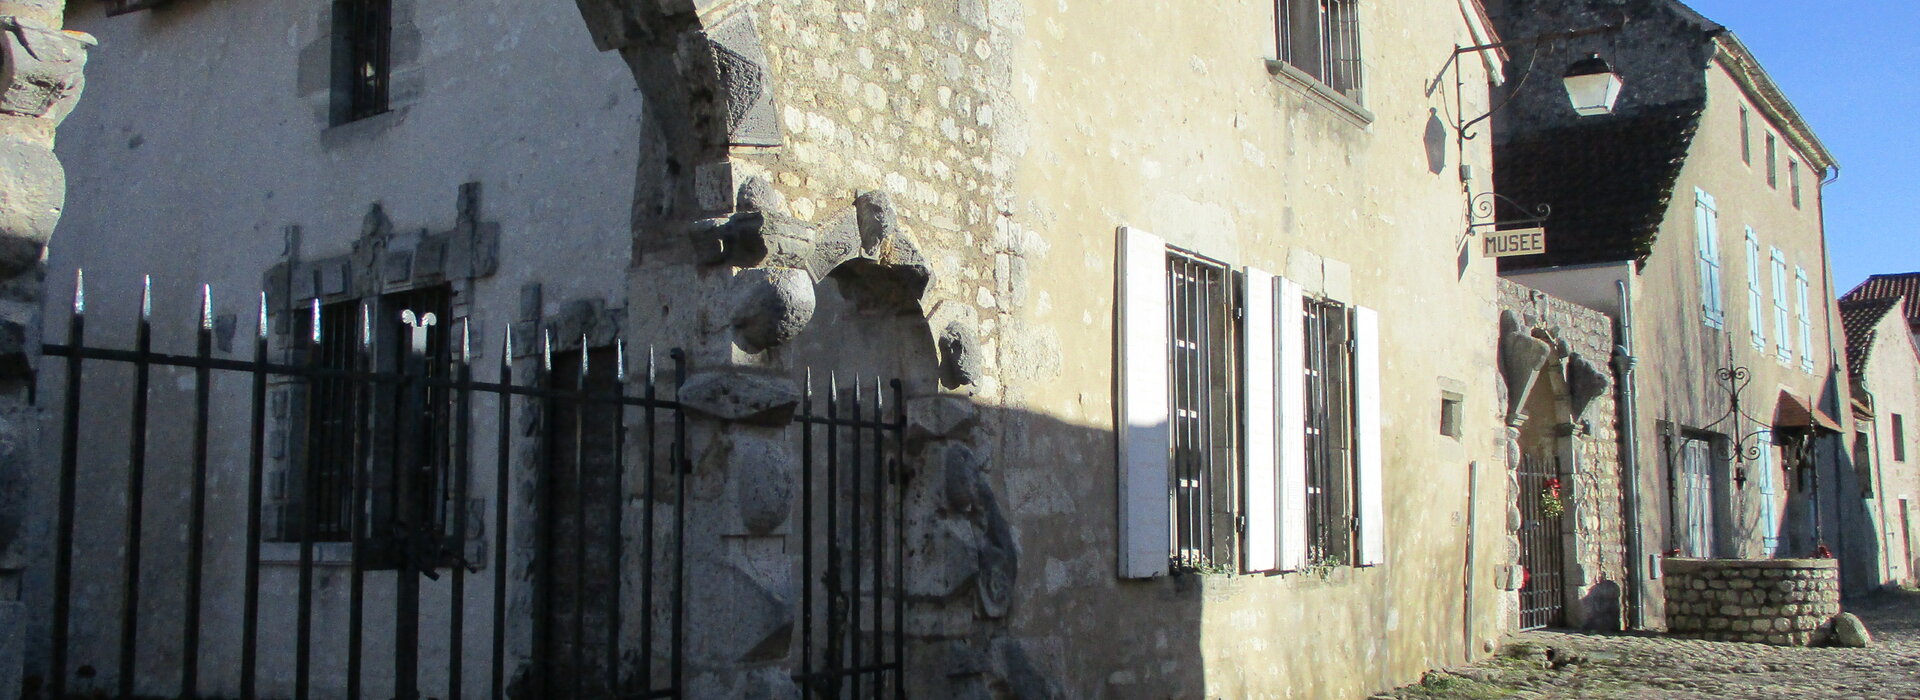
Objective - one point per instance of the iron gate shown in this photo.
(406, 524)
(1542, 547)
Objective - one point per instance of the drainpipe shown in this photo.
(1623, 364)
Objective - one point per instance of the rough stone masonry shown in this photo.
(40, 79)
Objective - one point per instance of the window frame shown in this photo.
(1899, 425)
(366, 335)
(362, 64)
(1337, 57)
(1793, 180)
(1803, 307)
(1773, 161)
(1332, 431)
(1746, 135)
(1204, 444)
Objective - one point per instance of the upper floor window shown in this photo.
(1706, 223)
(1773, 161)
(1793, 180)
(362, 58)
(1746, 139)
(1899, 438)
(1322, 39)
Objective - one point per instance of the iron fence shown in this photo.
(425, 444)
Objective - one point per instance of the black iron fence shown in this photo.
(379, 490)
(407, 424)
(853, 601)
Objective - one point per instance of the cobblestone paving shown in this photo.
(1573, 665)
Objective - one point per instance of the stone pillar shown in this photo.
(40, 78)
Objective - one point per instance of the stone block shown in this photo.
(940, 416)
(13, 632)
(771, 306)
(741, 396)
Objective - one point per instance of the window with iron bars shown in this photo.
(362, 58)
(1322, 39)
(353, 423)
(1331, 499)
(1202, 335)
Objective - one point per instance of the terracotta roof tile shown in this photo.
(1608, 179)
(1861, 317)
(1906, 284)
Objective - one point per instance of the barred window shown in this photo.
(1200, 332)
(1322, 39)
(354, 424)
(362, 58)
(1329, 434)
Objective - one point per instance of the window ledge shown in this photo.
(362, 130)
(1310, 86)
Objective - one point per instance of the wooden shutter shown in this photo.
(1706, 232)
(1366, 410)
(1262, 394)
(1756, 306)
(1806, 318)
(1291, 301)
(1145, 440)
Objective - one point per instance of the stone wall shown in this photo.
(1570, 347)
(1784, 602)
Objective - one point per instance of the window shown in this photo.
(1746, 138)
(1781, 330)
(1248, 411)
(1793, 180)
(342, 416)
(362, 59)
(1322, 39)
(1329, 434)
(1756, 306)
(1707, 237)
(1773, 162)
(1899, 438)
(1200, 328)
(1450, 418)
(1805, 316)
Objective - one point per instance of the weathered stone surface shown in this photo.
(963, 484)
(948, 559)
(1586, 381)
(771, 306)
(33, 190)
(759, 623)
(880, 226)
(762, 476)
(1521, 357)
(41, 69)
(1849, 631)
(999, 562)
(940, 416)
(1023, 678)
(758, 194)
(741, 396)
(960, 361)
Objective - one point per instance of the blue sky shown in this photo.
(1853, 70)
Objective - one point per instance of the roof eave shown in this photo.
(1746, 71)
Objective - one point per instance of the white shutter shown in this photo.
(1262, 396)
(1366, 409)
(1145, 438)
(1756, 306)
(1806, 318)
(1707, 247)
(1293, 426)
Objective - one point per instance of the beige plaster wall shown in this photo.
(1892, 375)
(1680, 354)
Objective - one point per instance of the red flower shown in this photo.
(1553, 486)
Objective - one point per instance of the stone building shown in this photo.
(1163, 292)
(1884, 364)
(1563, 461)
(1692, 214)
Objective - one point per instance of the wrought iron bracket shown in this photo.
(1484, 212)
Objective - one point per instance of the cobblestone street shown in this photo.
(1572, 665)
